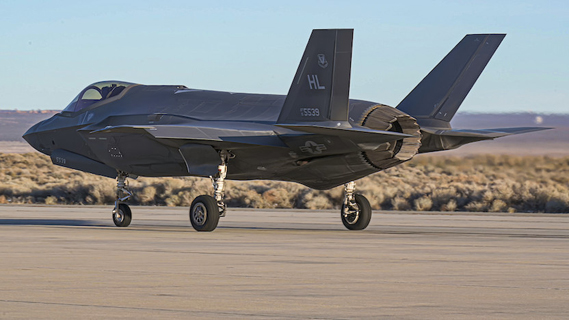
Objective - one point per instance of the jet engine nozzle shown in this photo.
(382, 117)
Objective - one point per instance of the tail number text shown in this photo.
(309, 112)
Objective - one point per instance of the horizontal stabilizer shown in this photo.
(437, 140)
(485, 133)
(357, 133)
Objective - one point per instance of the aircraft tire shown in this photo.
(361, 219)
(204, 213)
(123, 217)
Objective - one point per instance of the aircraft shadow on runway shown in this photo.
(50, 222)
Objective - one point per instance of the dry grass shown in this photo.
(481, 183)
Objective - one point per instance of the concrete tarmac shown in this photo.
(71, 262)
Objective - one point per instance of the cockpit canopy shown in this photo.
(95, 93)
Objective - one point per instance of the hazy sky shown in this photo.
(50, 50)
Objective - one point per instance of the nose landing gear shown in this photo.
(122, 215)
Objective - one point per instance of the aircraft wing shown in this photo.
(358, 133)
(205, 132)
(250, 133)
(199, 140)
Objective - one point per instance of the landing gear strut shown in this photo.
(122, 215)
(206, 210)
(356, 210)
(219, 186)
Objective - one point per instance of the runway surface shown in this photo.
(70, 262)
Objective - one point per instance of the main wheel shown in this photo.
(357, 218)
(204, 213)
(122, 216)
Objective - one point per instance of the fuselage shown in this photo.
(318, 161)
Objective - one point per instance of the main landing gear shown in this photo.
(122, 215)
(356, 210)
(206, 210)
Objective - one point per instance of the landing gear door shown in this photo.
(201, 160)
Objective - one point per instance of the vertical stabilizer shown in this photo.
(439, 95)
(321, 86)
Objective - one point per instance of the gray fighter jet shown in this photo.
(315, 135)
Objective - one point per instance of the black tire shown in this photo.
(204, 213)
(123, 216)
(358, 220)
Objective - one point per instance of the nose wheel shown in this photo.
(122, 215)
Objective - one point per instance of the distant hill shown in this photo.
(14, 123)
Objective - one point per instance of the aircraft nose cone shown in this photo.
(32, 137)
(31, 130)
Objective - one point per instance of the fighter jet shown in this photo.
(315, 135)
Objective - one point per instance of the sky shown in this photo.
(51, 50)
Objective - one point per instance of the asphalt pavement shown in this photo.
(71, 262)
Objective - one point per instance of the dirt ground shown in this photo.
(15, 147)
